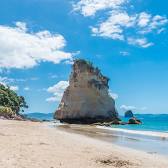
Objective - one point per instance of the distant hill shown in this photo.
(40, 116)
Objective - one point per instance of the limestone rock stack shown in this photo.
(86, 99)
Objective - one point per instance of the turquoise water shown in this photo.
(151, 122)
(41, 116)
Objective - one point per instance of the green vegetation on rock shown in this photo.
(6, 112)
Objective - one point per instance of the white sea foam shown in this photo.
(53, 124)
(146, 133)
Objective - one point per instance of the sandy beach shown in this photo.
(25, 144)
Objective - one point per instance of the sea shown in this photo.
(151, 136)
(150, 122)
(40, 116)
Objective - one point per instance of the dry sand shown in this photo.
(35, 145)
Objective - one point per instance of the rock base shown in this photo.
(134, 120)
(97, 121)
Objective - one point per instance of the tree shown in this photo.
(8, 98)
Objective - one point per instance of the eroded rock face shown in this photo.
(86, 99)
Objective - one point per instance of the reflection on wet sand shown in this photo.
(149, 144)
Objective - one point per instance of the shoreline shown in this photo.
(159, 134)
(144, 141)
(146, 133)
(32, 144)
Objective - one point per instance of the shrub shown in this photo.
(6, 112)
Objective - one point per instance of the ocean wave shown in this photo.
(146, 133)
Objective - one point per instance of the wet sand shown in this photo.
(147, 141)
(36, 145)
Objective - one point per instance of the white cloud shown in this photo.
(141, 42)
(5, 80)
(52, 99)
(117, 23)
(14, 88)
(57, 90)
(144, 19)
(69, 62)
(124, 53)
(21, 26)
(113, 26)
(113, 95)
(158, 21)
(20, 80)
(21, 49)
(26, 88)
(149, 23)
(125, 107)
(160, 30)
(2, 80)
(8, 82)
(90, 7)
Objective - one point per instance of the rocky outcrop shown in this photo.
(86, 99)
(116, 121)
(7, 113)
(134, 120)
(129, 114)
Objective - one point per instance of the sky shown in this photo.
(126, 39)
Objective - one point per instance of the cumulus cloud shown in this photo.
(113, 95)
(26, 88)
(148, 23)
(90, 7)
(57, 90)
(144, 19)
(113, 27)
(119, 22)
(52, 99)
(142, 42)
(7, 82)
(125, 107)
(21, 49)
(14, 88)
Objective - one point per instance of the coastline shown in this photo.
(158, 134)
(147, 141)
(32, 144)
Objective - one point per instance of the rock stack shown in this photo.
(86, 99)
(129, 114)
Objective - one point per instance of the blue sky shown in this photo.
(127, 40)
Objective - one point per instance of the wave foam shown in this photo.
(147, 133)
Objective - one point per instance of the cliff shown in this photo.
(86, 99)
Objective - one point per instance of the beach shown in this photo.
(25, 144)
